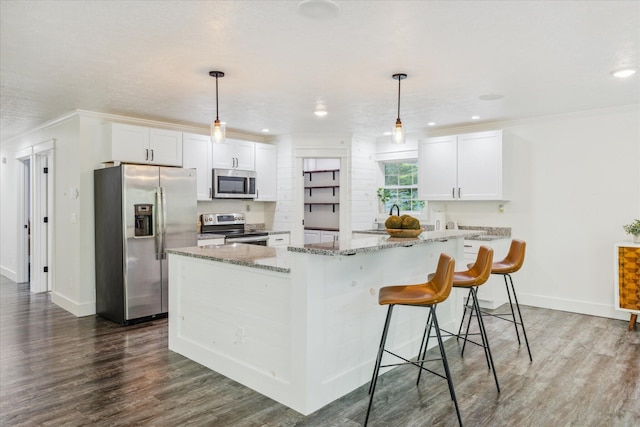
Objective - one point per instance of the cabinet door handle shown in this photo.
(458, 192)
(146, 154)
(453, 192)
(152, 155)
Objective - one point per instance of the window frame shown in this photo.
(414, 187)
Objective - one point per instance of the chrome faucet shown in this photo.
(394, 206)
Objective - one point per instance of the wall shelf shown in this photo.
(333, 171)
(322, 186)
(325, 204)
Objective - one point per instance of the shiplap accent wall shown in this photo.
(282, 216)
(364, 200)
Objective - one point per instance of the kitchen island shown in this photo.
(301, 325)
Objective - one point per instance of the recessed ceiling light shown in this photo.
(321, 110)
(319, 9)
(265, 130)
(431, 124)
(624, 72)
(475, 117)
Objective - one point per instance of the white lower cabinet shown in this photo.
(320, 236)
(329, 236)
(311, 236)
(492, 294)
(279, 239)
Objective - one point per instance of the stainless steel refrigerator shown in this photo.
(140, 211)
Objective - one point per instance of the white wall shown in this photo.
(574, 180)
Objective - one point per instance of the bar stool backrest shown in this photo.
(482, 267)
(442, 280)
(515, 257)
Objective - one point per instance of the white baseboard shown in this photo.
(73, 307)
(572, 306)
(9, 274)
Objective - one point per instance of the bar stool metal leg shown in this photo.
(524, 332)
(432, 321)
(513, 314)
(376, 369)
(446, 365)
(483, 334)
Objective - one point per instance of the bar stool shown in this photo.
(477, 274)
(512, 263)
(429, 295)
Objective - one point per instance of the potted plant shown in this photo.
(383, 196)
(633, 229)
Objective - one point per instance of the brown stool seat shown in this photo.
(513, 261)
(410, 295)
(428, 294)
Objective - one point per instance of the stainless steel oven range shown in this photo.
(231, 225)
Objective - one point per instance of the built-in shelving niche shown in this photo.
(322, 195)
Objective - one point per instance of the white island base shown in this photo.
(306, 334)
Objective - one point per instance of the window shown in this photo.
(401, 186)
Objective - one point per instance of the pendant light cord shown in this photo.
(217, 98)
(399, 79)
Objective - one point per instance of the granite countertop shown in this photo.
(378, 242)
(279, 258)
(487, 237)
(264, 257)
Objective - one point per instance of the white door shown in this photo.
(40, 223)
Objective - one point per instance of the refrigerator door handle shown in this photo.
(164, 222)
(159, 240)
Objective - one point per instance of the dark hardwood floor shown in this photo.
(59, 370)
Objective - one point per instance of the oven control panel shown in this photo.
(222, 218)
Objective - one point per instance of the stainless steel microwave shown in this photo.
(234, 184)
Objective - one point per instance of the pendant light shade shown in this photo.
(217, 128)
(399, 132)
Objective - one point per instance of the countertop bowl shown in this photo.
(404, 232)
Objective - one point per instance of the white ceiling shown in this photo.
(151, 59)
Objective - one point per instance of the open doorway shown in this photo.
(35, 203)
(321, 200)
(23, 269)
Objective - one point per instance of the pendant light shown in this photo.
(217, 128)
(399, 133)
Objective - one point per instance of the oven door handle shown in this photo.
(246, 239)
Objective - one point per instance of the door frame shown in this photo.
(41, 193)
(297, 229)
(23, 214)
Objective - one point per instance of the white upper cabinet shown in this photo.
(461, 167)
(266, 157)
(196, 154)
(139, 144)
(234, 154)
(165, 147)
